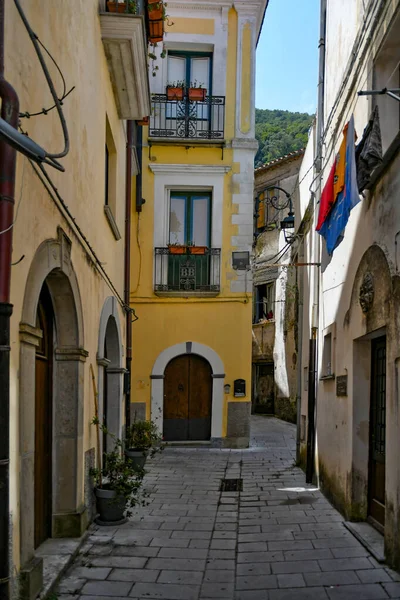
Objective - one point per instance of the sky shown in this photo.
(287, 56)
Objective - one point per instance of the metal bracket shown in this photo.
(384, 91)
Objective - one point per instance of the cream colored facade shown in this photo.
(68, 239)
(351, 305)
(213, 319)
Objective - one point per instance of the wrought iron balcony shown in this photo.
(184, 269)
(201, 120)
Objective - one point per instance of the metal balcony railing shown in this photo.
(203, 120)
(187, 271)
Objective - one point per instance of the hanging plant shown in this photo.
(153, 57)
(121, 6)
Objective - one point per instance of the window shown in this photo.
(267, 214)
(110, 181)
(191, 68)
(328, 353)
(190, 219)
(387, 75)
(265, 300)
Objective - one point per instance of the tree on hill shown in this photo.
(279, 132)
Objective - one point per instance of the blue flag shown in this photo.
(334, 225)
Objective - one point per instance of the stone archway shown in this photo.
(52, 265)
(218, 375)
(110, 370)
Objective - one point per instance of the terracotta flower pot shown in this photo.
(198, 249)
(177, 249)
(116, 6)
(197, 94)
(175, 93)
(144, 121)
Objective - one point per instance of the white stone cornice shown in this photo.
(208, 5)
(189, 169)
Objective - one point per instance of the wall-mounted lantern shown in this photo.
(227, 388)
(288, 222)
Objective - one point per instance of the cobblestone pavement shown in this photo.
(278, 539)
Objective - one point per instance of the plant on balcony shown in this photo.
(176, 90)
(197, 92)
(198, 249)
(120, 6)
(177, 248)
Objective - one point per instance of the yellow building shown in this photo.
(67, 279)
(192, 238)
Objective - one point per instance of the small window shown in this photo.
(266, 212)
(265, 300)
(328, 353)
(387, 75)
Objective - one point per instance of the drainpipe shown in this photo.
(127, 278)
(300, 308)
(8, 156)
(313, 359)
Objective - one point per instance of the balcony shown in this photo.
(183, 271)
(187, 119)
(125, 46)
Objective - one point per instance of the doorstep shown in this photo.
(369, 537)
(189, 443)
(57, 554)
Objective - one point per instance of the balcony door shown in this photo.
(190, 228)
(194, 69)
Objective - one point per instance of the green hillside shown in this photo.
(279, 132)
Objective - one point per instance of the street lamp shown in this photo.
(287, 223)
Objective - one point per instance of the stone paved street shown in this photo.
(278, 539)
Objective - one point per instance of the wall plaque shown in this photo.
(239, 388)
(341, 385)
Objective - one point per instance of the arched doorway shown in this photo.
(44, 418)
(187, 399)
(110, 374)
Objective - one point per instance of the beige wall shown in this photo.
(71, 32)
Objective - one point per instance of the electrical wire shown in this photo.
(50, 157)
(19, 201)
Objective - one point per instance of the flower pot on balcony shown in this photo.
(144, 121)
(175, 93)
(156, 31)
(155, 10)
(120, 7)
(198, 249)
(197, 94)
(177, 249)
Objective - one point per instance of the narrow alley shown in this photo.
(276, 539)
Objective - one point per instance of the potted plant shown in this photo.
(198, 249)
(177, 248)
(155, 10)
(176, 90)
(117, 484)
(144, 121)
(120, 6)
(197, 92)
(142, 439)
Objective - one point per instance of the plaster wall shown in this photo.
(71, 32)
(369, 245)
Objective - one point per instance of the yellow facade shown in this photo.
(167, 321)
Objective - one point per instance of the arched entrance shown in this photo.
(51, 400)
(44, 418)
(109, 360)
(217, 377)
(187, 399)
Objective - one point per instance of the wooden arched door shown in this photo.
(43, 419)
(187, 399)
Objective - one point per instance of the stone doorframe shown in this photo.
(218, 376)
(52, 264)
(110, 329)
